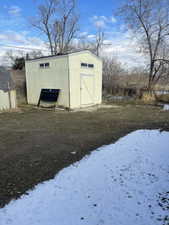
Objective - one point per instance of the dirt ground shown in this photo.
(35, 143)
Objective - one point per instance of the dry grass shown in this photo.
(148, 97)
(163, 98)
(35, 143)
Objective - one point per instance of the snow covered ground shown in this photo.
(126, 183)
(166, 107)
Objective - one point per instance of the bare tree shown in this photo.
(99, 41)
(149, 20)
(112, 73)
(94, 44)
(17, 58)
(33, 54)
(58, 21)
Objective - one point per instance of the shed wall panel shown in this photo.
(4, 100)
(54, 77)
(75, 71)
(13, 99)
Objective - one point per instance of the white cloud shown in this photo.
(21, 39)
(107, 42)
(118, 44)
(99, 21)
(14, 10)
(83, 34)
(125, 48)
(100, 24)
(19, 42)
(104, 18)
(113, 19)
(91, 36)
(12, 37)
(103, 21)
(95, 17)
(11, 18)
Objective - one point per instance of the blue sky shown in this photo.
(16, 31)
(25, 9)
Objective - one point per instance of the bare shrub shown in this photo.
(112, 72)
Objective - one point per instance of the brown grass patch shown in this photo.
(148, 98)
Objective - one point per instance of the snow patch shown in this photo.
(166, 107)
(119, 184)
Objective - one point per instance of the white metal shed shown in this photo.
(7, 90)
(77, 75)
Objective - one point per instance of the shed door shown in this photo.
(87, 89)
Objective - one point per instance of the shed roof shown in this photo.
(66, 54)
(6, 82)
